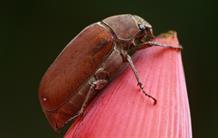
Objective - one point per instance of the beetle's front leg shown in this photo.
(129, 59)
(152, 43)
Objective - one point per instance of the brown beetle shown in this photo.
(88, 63)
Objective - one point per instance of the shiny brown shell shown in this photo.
(74, 66)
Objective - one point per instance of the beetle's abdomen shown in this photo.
(74, 66)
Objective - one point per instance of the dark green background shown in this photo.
(33, 32)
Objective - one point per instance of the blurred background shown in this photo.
(33, 32)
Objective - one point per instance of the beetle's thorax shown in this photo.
(123, 26)
(129, 31)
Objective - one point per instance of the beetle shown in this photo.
(89, 62)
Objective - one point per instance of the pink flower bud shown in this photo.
(121, 110)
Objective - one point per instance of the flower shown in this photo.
(123, 111)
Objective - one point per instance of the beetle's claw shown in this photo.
(140, 85)
(142, 88)
(154, 100)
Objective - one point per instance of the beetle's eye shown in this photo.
(141, 27)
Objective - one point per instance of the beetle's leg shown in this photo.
(101, 80)
(96, 85)
(152, 43)
(129, 59)
(91, 90)
(101, 74)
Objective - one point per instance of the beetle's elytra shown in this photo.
(88, 63)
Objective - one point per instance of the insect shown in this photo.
(89, 62)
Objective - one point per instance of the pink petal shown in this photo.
(122, 111)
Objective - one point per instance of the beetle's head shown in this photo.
(143, 34)
(145, 29)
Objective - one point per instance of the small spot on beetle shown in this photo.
(44, 99)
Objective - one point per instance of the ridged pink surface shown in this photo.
(122, 111)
